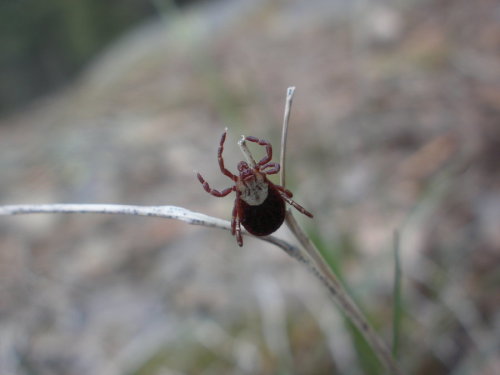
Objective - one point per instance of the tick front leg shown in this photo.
(269, 149)
(287, 192)
(221, 159)
(234, 217)
(297, 206)
(214, 192)
(270, 168)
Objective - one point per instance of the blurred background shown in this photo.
(395, 127)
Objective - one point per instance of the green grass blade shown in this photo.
(397, 304)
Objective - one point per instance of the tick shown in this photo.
(259, 204)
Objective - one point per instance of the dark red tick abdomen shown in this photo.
(265, 218)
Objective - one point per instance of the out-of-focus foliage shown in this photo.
(44, 43)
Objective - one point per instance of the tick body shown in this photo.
(259, 204)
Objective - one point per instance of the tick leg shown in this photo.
(215, 193)
(287, 192)
(269, 149)
(221, 160)
(270, 168)
(234, 217)
(297, 206)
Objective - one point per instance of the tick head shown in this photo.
(245, 171)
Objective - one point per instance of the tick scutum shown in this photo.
(265, 218)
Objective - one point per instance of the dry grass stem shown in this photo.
(248, 155)
(317, 265)
(284, 131)
(167, 212)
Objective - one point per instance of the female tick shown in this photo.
(259, 205)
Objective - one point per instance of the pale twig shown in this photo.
(325, 274)
(246, 152)
(168, 212)
(284, 131)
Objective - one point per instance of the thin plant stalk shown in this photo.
(397, 304)
(324, 273)
(166, 212)
(284, 130)
(246, 152)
